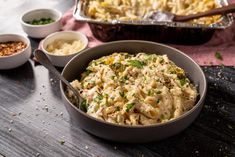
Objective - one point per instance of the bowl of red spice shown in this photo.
(15, 50)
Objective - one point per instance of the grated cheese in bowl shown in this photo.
(65, 47)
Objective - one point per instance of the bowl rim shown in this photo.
(197, 105)
(21, 51)
(41, 9)
(66, 32)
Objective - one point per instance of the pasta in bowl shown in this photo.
(139, 89)
(136, 63)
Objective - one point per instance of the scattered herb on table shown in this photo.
(158, 100)
(62, 142)
(11, 47)
(230, 127)
(218, 56)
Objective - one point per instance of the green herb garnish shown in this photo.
(122, 94)
(129, 106)
(183, 81)
(117, 108)
(159, 92)
(98, 97)
(62, 142)
(84, 105)
(86, 73)
(150, 93)
(218, 56)
(123, 79)
(158, 100)
(117, 66)
(42, 21)
(136, 63)
(161, 60)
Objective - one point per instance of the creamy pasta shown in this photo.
(124, 10)
(139, 89)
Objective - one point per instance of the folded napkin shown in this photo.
(219, 50)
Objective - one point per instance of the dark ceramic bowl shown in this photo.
(133, 134)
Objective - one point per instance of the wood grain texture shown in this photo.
(34, 121)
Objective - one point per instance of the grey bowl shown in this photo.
(133, 134)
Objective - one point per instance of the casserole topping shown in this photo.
(139, 89)
(126, 10)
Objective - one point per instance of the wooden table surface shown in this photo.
(34, 121)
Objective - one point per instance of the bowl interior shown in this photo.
(66, 35)
(41, 13)
(79, 63)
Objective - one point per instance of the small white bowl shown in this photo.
(41, 31)
(16, 59)
(62, 60)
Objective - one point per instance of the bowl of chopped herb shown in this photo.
(40, 23)
(15, 50)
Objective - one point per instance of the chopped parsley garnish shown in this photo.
(230, 127)
(150, 93)
(183, 81)
(161, 60)
(88, 71)
(84, 105)
(218, 56)
(122, 94)
(117, 108)
(117, 67)
(158, 100)
(62, 142)
(98, 97)
(123, 79)
(159, 92)
(112, 77)
(178, 71)
(129, 106)
(136, 63)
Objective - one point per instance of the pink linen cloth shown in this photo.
(223, 41)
